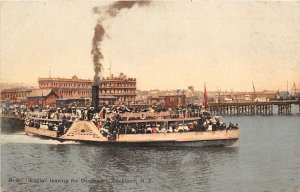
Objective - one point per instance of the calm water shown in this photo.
(268, 159)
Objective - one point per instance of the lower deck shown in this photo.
(86, 131)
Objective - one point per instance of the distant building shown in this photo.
(15, 94)
(172, 101)
(155, 100)
(283, 95)
(169, 101)
(119, 89)
(195, 99)
(297, 93)
(42, 97)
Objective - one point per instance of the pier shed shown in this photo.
(42, 97)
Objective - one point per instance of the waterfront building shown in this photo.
(15, 94)
(169, 101)
(42, 97)
(113, 90)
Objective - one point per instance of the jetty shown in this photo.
(284, 107)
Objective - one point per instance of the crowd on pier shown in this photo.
(18, 111)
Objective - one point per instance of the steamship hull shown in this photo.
(200, 143)
(85, 131)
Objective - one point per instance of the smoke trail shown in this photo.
(112, 11)
(115, 8)
(96, 52)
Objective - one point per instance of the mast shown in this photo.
(294, 89)
(218, 94)
(205, 102)
(254, 90)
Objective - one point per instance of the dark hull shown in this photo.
(209, 143)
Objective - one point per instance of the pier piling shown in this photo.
(253, 108)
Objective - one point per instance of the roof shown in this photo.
(74, 78)
(41, 93)
(16, 90)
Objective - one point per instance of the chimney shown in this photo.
(95, 97)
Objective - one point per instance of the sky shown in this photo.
(166, 45)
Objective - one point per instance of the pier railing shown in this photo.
(253, 108)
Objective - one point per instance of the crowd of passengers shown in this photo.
(60, 126)
(206, 123)
(65, 116)
(86, 113)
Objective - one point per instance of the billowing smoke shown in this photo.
(112, 11)
(96, 52)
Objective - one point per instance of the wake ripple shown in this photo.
(22, 138)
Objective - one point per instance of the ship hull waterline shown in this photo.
(91, 135)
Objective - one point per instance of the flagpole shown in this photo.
(205, 97)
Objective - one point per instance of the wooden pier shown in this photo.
(253, 108)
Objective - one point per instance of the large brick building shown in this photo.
(15, 94)
(122, 88)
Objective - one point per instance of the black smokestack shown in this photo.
(95, 98)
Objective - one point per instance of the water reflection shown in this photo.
(63, 150)
(115, 168)
(168, 168)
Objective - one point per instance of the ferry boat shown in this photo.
(195, 129)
